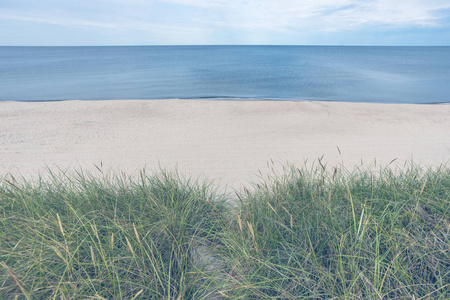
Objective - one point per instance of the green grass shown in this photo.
(306, 234)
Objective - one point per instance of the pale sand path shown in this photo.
(225, 140)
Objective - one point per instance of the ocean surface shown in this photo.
(330, 73)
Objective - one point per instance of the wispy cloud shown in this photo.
(55, 20)
(340, 14)
(260, 17)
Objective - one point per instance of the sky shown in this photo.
(224, 22)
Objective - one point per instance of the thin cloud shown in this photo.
(52, 20)
(322, 14)
(268, 18)
(250, 14)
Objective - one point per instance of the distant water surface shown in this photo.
(341, 73)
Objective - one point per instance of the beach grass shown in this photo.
(316, 234)
(83, 238)
(309, 233)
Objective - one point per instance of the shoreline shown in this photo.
(239, 99)
(226, 140)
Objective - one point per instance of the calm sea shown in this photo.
(356, 74)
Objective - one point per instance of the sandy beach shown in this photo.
(228, 141)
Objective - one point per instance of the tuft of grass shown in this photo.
(316, 234)
(305, 234)
(80, 237)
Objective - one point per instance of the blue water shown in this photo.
(356, 74)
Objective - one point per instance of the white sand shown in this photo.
(226, 140)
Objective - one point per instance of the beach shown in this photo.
(227, 141)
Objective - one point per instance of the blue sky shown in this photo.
(230, 22)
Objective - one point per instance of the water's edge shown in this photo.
(250, 99)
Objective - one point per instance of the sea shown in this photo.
(325, 73)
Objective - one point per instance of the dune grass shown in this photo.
(305, 234)
(78, 238)
(321, 235)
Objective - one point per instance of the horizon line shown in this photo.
(231, 45)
